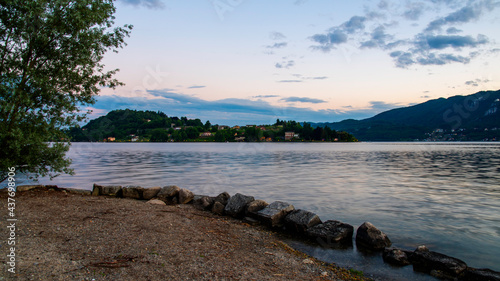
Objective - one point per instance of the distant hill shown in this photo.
(474, 117)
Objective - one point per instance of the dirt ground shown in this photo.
(62, 236)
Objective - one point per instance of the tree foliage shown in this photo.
(50, 67)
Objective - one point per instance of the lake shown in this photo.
(443, 195)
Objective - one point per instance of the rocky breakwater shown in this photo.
(283, 216)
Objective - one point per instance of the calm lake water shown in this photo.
(443, 195)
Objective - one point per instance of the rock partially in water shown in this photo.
(107, 190)
(222, 198)
(474, 274)
(275, 213)
(395, 256)
(437, 264)
(370, 237)
(168, 192)
(237, 204)
(185, 196)
(254, 207)
(331, 232)
(133, 192)
(150, 193)
(300, 220)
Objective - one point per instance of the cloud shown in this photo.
(290, 81)
(453, 30)
(429, 46)
(475, 83)
(303, 100)
(277, 36)
(378, 39)
(440, 42)
(277, 45)
(150, 4)
(265, 96)
(285, 64)
(415, 11)
(231, 111)
(196, 87)
(329, 40)
(471, 12)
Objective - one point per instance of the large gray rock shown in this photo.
(134, 192)
(222, 198)
(237, 204)
(185, 196)
(473, 274)
(150, 193)
(107, 190)
(368, 236)
(331, 231)
(437, 264)
(274, 214)
(395, 256)
(167, 193)
(300, 220)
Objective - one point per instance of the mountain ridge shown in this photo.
(460, 118)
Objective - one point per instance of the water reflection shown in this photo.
(444, 195)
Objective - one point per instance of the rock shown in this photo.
(96, 190)
(300, 220)
(331, 231)
(307, 261)
(167, 192)
(134, 192)
(207, 202)
(255, 206)
(21, 188)
(237, 204)
(437, 264)
(395, 256)
(222, 198)
(197, 199)
(473, 274)
(108, 190)
(422, 248)
(150, 193)
(274, 214)
(78, 191)
(185, 196)
(370, 237)
(170, 200)
(218, 208)
(156, 202)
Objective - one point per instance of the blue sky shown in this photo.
(252, 61)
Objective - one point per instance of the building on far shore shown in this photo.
(205, 134)
(289, 135)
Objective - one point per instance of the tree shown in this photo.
(50, 67)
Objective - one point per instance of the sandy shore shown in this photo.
(63, 236)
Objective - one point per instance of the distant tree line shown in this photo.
(133, 125)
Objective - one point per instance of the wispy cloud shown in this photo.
(277, 45)
(265, 96)
(285, 64)
(289, 81)
(277, 35)
(303, 100)
(196, 87)
(150, 4)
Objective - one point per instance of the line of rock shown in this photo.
(281, 215)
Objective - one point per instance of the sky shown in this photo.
(238, 62)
